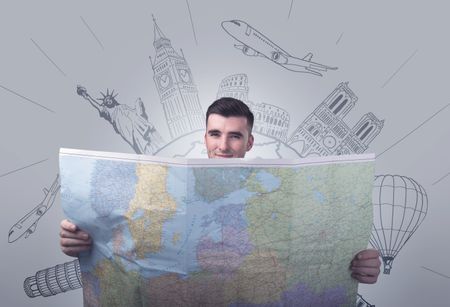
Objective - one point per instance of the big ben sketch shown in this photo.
(177, 90)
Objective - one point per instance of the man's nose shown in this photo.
(223, 144)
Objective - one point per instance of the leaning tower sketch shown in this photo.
(60, 278)
(324, 132)
(175, 84)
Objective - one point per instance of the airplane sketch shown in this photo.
(27, 224)
(254, 43)
(54, 280)
(131, 123)
(400, 206)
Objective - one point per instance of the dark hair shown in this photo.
(229, 106)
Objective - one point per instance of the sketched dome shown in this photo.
(192, 145)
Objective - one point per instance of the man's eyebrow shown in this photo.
(214, 131)
(236, 133)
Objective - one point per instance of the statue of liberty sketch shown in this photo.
(131, 123)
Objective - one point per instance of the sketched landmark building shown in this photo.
(270, 120)
(324, 131)
(235, 86)
(130, 123)
(54, 280)
(175, 84)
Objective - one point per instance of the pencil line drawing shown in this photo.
(27, 224)
(254, 43)
(22, 168)
(54, 280)
(270, 120)
(435, 272)
(271, 124)
(130, 123)
(290, 8)
(361, 302)
(92, 32)
(398, 69)
(192, 21)
(414, 130)
(27, 99)
(324, 132)
(442, 178)
(189, 150)
(339, 39)
(176, 87)
(400, 206)
(45, 54)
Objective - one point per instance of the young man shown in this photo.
(228, 134)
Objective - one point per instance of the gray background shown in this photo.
(393, 53)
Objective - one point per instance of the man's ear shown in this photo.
(250, 142)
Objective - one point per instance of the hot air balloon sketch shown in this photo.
(400, 206)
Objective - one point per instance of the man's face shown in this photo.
(227, 137)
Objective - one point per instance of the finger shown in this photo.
(366, 271)
(74, 251)
(69, 242)
(69, 226)
(366, 263)
(367, 254)
(80, 235)
(365, 279)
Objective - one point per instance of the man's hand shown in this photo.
(365, 266)
(73, 240)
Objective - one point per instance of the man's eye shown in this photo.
(213, 134)
(236, 137)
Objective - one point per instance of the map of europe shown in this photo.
(218, 232)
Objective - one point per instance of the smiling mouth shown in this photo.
(224, 155)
